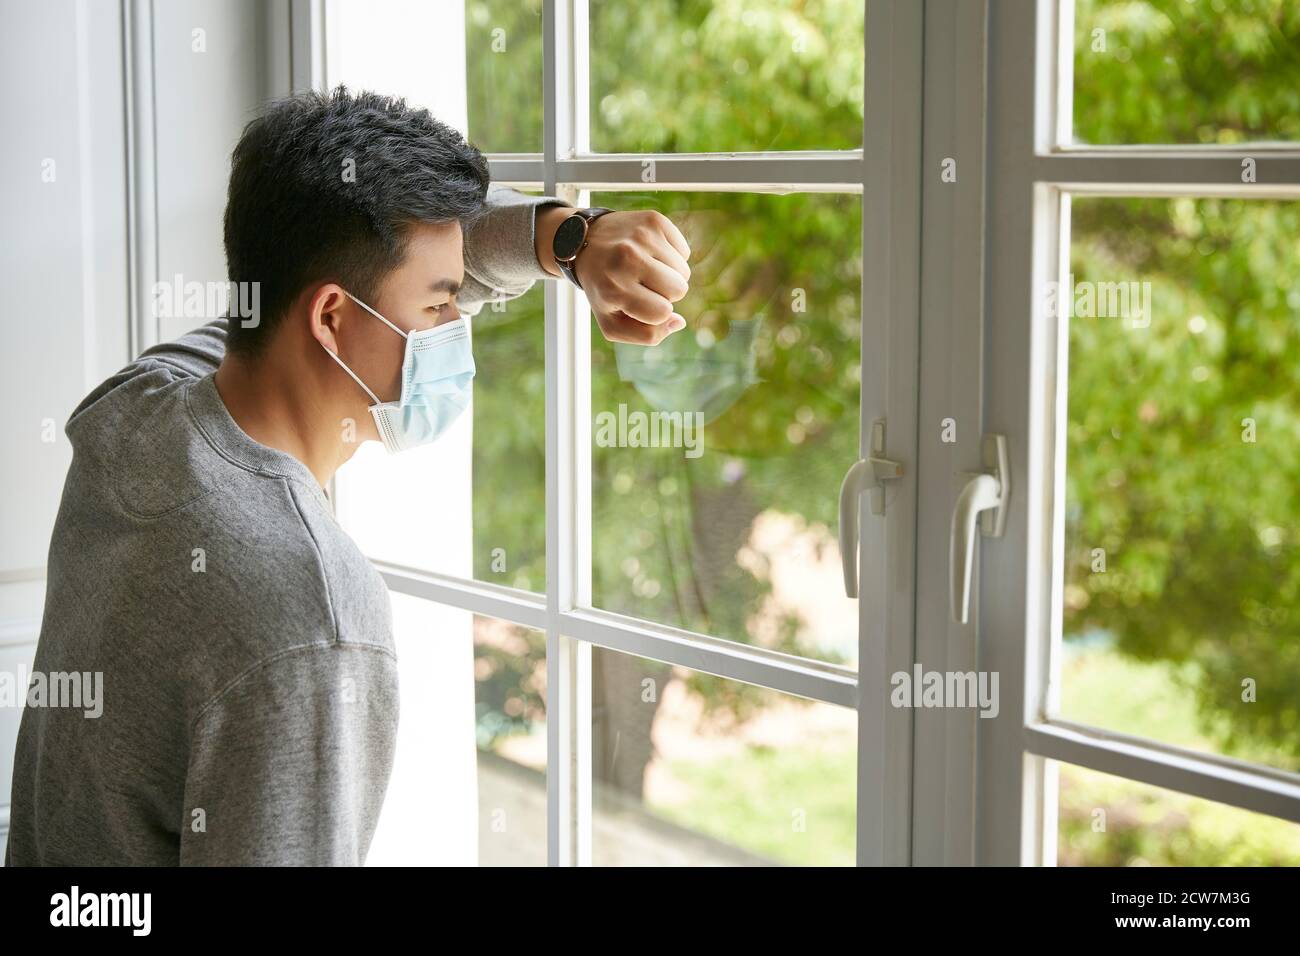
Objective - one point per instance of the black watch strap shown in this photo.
(569, 265)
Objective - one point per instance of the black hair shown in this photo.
(323, 187)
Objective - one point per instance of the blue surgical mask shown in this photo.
(437, 376)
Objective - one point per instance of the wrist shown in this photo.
(572, 236)
(547, 219)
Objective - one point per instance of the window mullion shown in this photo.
(568, 695)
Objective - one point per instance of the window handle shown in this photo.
(982, 500)
(866, 474)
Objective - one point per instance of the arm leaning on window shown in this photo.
(500, 249)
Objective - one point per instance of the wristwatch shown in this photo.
(571, 238)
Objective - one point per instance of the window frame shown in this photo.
(568, 169)
(1032, 176)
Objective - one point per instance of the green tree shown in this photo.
(1198, 526)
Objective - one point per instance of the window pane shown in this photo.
(465, 679)
(473, 502)
(433, 778)
(696, 770)
(711, 75)
(1111, 821)
(728, 527)
(1182, 555)
(510, 442)
(1173, 71)
(510, 715)
(503, 63)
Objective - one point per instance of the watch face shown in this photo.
(569, 236)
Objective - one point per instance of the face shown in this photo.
(419, 294)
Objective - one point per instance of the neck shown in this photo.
(284, 410)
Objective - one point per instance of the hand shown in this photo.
(633, 269)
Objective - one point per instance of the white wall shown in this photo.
(139, 112)
(68, 279)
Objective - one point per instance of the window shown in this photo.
(1082, 258)
(589, 571)
(1141, 351)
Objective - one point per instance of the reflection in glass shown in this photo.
(734, 536)
(683, 375)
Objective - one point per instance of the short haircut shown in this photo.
(324, 187)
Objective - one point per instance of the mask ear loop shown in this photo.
(373, 396)
(374, 313)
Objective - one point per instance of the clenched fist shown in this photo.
(632, 268)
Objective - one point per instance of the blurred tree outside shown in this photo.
(1202, 581)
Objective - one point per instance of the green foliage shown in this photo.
(709, 75)
(1174, 71)
(1199, 526)
(1145, 826)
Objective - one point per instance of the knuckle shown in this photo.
(626, 252)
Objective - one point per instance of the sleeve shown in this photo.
(500, 249)
(289, 766)
(193, 355)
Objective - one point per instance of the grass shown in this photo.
(791, 805)
(752, 800)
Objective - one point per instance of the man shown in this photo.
(249, 680)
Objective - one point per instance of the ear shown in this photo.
(325, 314)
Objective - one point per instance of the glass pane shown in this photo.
(481, 487)
(717, 75)
(1111, 821)
(503, 64)
(510, 715)
(1182, 554)
(471, 742)
(1174, 71)
(696, 770)
(727, 527)
(510, 442)
(433, 778)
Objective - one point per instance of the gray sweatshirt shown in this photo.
(216, 679)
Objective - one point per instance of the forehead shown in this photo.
(434, 251)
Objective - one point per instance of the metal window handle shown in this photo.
(982, 501)
(866, 474)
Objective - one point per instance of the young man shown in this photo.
(249, 682)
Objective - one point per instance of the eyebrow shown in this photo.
(445, 285)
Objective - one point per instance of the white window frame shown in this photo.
(1031, 176)
(567, 168)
